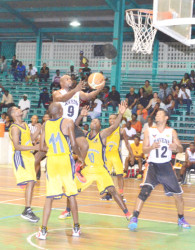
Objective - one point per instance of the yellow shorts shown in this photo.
(114, 161)
(98, 174)
(24, 167)
(60, 176)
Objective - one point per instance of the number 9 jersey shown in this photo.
(163, 153)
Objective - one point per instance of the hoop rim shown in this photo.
(144, 12)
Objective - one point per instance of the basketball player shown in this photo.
(113, 157)
(23, 158)
(70, 101)
(159, 142)
(95, 169)
(58, 134)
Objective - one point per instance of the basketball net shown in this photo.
(141, 22)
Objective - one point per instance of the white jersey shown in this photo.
(71, 107)
(191, 156)
(162, 154)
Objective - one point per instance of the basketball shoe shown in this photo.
(76, 231)
(133, 223)
(64, 215)
(107, 197)
(42, 234)
(29, 215)
(183, 223)
(78, 174)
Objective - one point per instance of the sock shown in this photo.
(120, 191)
(180, 216)
(44, 228)
(68, 209)
(125, 211)
(76, 225)
(136, 214)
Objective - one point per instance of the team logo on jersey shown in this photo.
(154, 136)
(168, 135)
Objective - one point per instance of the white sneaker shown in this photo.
(76, 231)
(42, 234)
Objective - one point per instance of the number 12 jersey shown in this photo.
(163, 153)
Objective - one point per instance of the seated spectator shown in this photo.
(74, 81)
(155, 110)
(95, 109)
(44, 99)
(142, 114)
(3, 65)
(86, 71)
(8, 123)
(104, 95)
(131, 99)
(72, 72)
(86, 127)
(192, 78)
(24, 105)
(189, 162)
(45, 118)
(7, 100)
(44, 73)
(83, 59)
(147, 125)
(114, 98)
(136, 124)
(174, 85)
(56, 81)
(152, 103)
(186, 80)
(14, 64)
(170, 105)
(31, 73)
(164, 91)
(184, 98)
(137, 149)
(20, 72)
(142, 98)
(162, 105)
(175, 92)
(33, 127)
(161, 91)
(3, 116)
(148, 89)
(129, 131)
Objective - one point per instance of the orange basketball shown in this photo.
(96, 80)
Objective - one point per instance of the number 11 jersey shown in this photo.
(163, 153)
(71, 107)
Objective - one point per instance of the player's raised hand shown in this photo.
(79, 86)
(84, 111)
(122, 107)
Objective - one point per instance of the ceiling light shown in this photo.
(75, 24)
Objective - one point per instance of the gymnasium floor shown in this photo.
(102, 222)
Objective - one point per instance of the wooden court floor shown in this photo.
(102, 222)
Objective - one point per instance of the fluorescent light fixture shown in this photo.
(75, 23)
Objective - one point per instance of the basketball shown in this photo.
(96, 80)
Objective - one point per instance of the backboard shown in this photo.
(174, 18)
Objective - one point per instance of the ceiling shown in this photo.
(24, 19)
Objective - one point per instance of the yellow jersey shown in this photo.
(25, 138)
(113, 141)
(137, 150)
(56, 141)
(96, 152)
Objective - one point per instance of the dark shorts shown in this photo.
(192, 167)
(78, 132)
(162, 173)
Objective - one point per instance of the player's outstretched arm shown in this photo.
(58, 97)
(43, 146)
(15, 133)
(108, 131)
(37, 132)
(176, 145)
(84, 112)
(146, 143)
(89, 96)
(127, 144)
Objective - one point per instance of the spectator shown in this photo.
(186, 80)
(3, 65)
(184, 98)
(83, 59)
(131, 99)
(189, 162)
(170, 105)
(45, 118)
(24, 105)
(74, 81)
(8, 123)
(129, 131)
(162, 105)
(3, 116)
(86, 127)
(142, 114)
(114, 98)
(44, 73)
(31, 74)
(14, 64)
(86, 71)
(136, 124)
(148, 89)
(161, 91)
(44, 99)
(95, 109)
(192, 78)
(176, 92)
(56, 81)
(20, 72)
(147, 125)
(33, 128)
(174, 85)
(155, 110)
(164, 91)
(143, 100)
(137, 149)
(104, 95)
(72, 72)
(152, 103)
(7, 100)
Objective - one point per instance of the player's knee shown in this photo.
(112, 190)
(145, 192)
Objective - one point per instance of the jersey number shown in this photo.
(70, 111)
(91, 157)
(54, 140)
(164, 149)
(110, 147)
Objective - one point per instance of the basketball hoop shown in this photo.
(141, 22)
